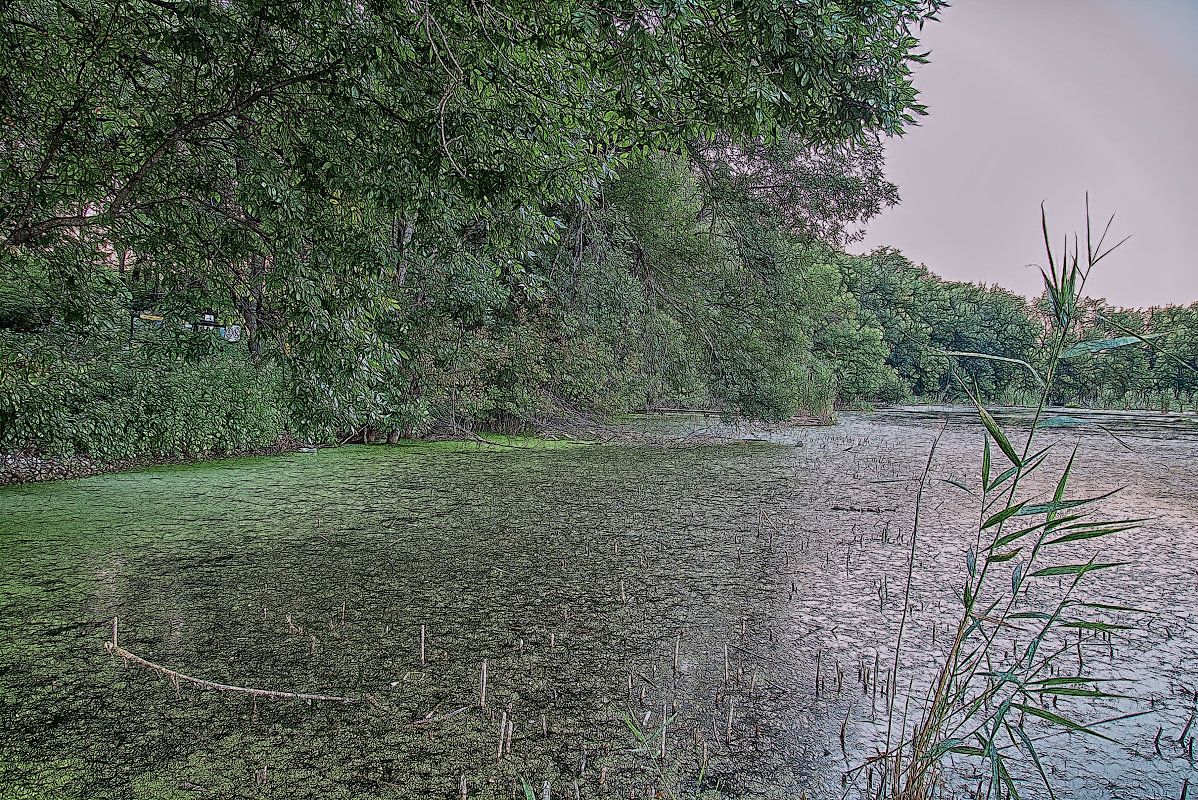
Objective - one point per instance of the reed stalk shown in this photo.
(985, 696)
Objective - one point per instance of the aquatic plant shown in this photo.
(1004, 673)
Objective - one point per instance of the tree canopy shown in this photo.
(124, 115)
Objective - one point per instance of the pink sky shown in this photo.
(1044, 100)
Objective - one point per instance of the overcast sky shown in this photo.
(1033, 100)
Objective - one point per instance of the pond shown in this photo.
(746, 593)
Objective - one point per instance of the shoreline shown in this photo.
(23, 467)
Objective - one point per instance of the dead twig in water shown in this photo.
(646, 679)
(176, 677)
(483, 440)
(865, 510)
(442, 718)
(763, 657)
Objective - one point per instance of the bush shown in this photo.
(113, 402)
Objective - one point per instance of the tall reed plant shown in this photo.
(1005, 669)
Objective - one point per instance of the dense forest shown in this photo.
(223, 224)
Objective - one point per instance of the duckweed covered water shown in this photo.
(602, 585)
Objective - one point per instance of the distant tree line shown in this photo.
(1138, 358)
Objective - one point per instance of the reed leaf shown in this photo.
(1059, 494)
(1105, 627)
(1061, 505)
(986, 465)
(1004, 515)
(1102, 345)
(1007, 538)
(988, 357)
(966, 750)
(1110, 607)
(1002, 478)
(1067, 680)
(1005, 776)
(1031, 749)
(1057, 719)
(946, 746)
(1146, 340)
(1047, 525)
(1068, 691)
(1000, 438)
(1090, 534)
(1030, 465)
(957, 484)
(1075, 569)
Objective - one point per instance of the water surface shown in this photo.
(600, 584)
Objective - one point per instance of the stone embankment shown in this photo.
(25, 467)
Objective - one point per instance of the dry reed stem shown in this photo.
(175, 677)
(431, 719)
(502, 734)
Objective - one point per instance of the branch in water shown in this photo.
(175, 677)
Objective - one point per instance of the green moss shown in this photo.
(237, 571)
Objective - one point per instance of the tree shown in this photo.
(924, 318)
(122, 118)
(314, 170)
(819, 192)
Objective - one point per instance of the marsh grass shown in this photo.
(1009, 676)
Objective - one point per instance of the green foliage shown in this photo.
(111, 402)
(340, 184)
(1128, 357)
(930, 325)
(728, 304)
(818, 193)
